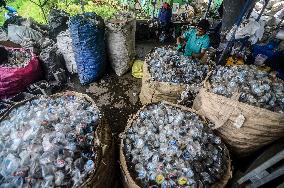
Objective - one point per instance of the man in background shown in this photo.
(165, 17)
(196, 40)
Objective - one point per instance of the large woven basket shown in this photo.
(156, 91)
(103, 175)
(245, 128)
(128, 180)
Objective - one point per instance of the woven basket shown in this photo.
(154, 91)
(103, 175)
(243, 127)
(129, 182)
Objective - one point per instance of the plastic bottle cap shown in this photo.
(60, 163)
(159, 179)
(182, 181)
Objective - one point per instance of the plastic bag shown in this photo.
(52, 62)
(137, 69)
(3, 35)
(64, 44)
(87, 33)
(260, 59)
(15, 80)
(18, 33)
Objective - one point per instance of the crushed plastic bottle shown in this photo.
(40, 145)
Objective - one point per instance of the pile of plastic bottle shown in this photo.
(168, 147)
(167, 65)
(17, 59)
(48, 142)
(257, 88)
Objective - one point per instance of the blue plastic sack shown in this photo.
(88, 33)
(268, 50)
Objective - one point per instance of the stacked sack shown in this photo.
(87, 32)
(121, 41)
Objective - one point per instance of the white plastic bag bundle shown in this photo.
(121, 41)
(64, 44)
(252, 29)
(19, 33)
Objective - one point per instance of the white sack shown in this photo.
(64, 44)
(121, 43)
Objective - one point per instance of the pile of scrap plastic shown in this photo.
(48, 142)
(256, 87)
(165, 146)
(167, 65)
(16, 59)
(167, 73)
